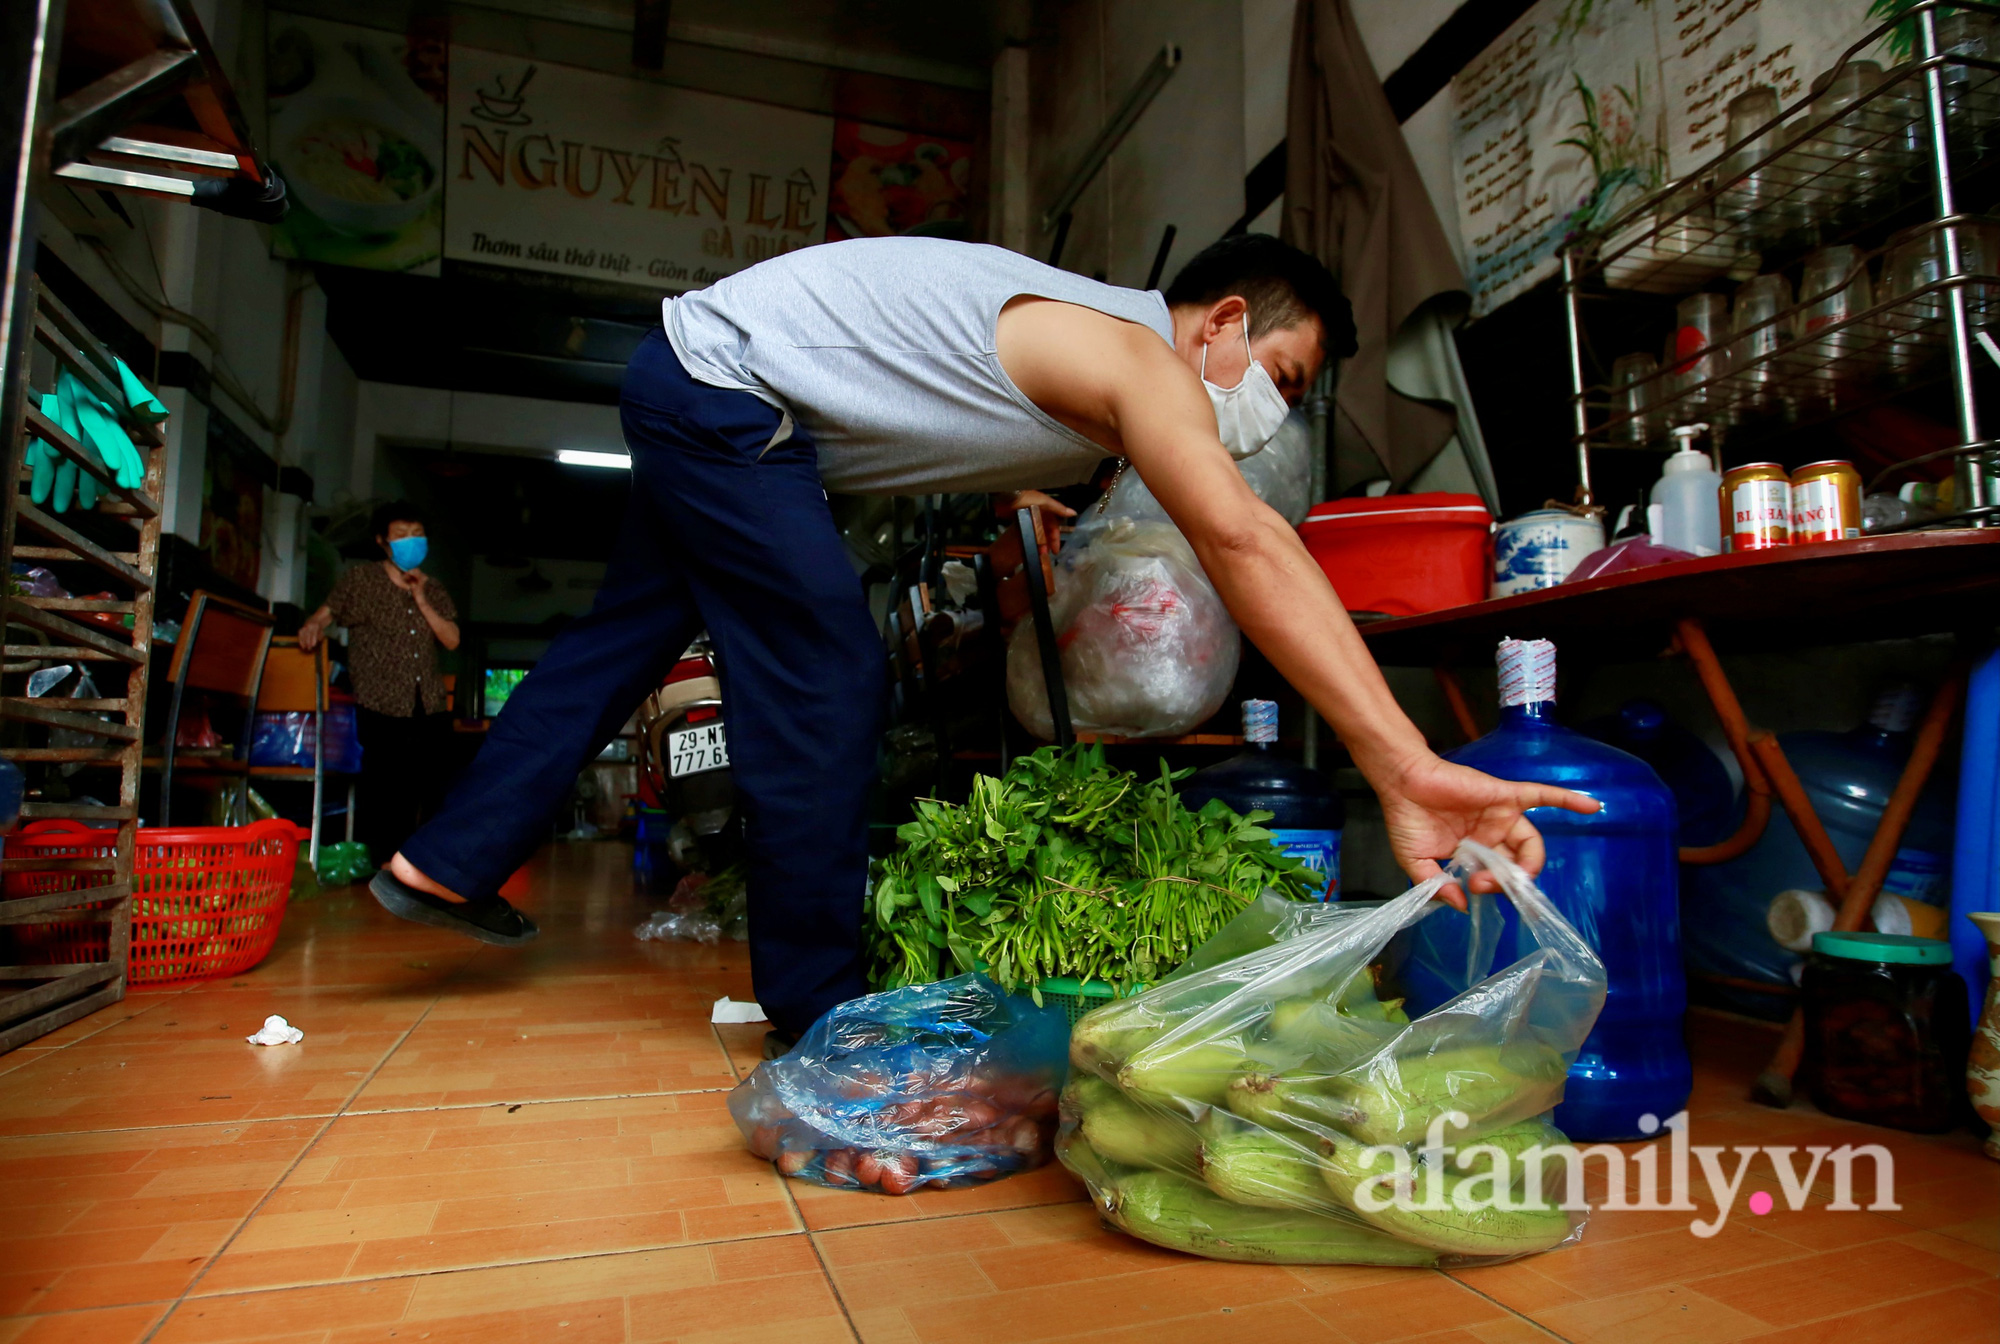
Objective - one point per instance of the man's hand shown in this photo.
(1048, 506)
(1431, 806)
(410, 581)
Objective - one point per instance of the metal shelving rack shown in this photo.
(61, 993)
(118, 95)
(1841, 171)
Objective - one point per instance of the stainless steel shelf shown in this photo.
(1827, 173)
(1800, 375)
(1812, 177)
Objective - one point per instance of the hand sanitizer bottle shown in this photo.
(1683, 513)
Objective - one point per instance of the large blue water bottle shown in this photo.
(1704, 797)
(1306, 812)
(1614, 874)
(1849, 778)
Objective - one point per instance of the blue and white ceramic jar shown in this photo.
(1539, 549)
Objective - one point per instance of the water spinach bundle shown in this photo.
(1065, 866)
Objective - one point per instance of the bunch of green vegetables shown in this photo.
(1065, 866)
(1251, 1136)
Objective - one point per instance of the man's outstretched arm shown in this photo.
(1125, 382)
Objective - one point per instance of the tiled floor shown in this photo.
(481, 1145)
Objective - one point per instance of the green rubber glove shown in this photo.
(138, 396)
(98, 426)
(67, 389)
(66, 474)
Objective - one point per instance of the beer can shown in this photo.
(1826, 502)
(1756, 503)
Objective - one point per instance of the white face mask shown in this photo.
(1248, 414)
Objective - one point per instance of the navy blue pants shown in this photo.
(726, 534)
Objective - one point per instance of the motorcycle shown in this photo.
(684, 766)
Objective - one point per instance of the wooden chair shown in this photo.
(1027, 592)
(297, 682)
(222, 652)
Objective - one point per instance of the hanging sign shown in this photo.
(575, 172)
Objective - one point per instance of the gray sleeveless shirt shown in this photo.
(884, 350)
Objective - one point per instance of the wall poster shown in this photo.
(357, 133)
(888, 182)
(232, 513)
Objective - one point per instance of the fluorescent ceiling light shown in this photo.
(577, 457)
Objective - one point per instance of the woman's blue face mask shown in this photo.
(409, 552)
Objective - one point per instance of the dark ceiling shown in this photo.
(487, 329)
(509, 508)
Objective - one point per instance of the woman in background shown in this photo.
(396, 616)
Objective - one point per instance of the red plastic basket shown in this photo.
(206, 900)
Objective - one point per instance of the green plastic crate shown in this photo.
(1077, 997)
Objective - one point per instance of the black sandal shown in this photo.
(488, 918)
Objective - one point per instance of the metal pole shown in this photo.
(1160, 258)
(1574, 322)
(30, 37)
(1318, 404)
(1045, 630)
(1062, 236)
(1319, 401)
(1971, 468)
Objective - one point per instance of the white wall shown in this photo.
(1181, 165)
(1178, 165)
(390, 414)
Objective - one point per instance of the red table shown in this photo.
(1832, 592)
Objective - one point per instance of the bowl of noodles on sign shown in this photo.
(362, 167)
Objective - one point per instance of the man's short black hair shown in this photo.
(395, 511)
(1282, 285)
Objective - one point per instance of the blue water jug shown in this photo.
(13, 787)
(1704, 797)
(1849, 777)
(1306, 812)
(1613, 874)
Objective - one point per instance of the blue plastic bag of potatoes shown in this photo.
(1277, 1105)
(925, 1087)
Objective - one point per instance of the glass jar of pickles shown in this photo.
(1887, 1030)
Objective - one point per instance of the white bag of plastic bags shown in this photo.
(1148, 650)
(1270, 1106)
(1280, 474)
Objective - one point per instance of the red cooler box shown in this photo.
(1403, 554)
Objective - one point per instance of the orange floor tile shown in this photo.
(478, 1145)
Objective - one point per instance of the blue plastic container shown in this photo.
(651, 865)
(1849, 778)
(13, 787)
(1306, 812)
(1614, 874)
(1704, 797)
(1975, 877)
